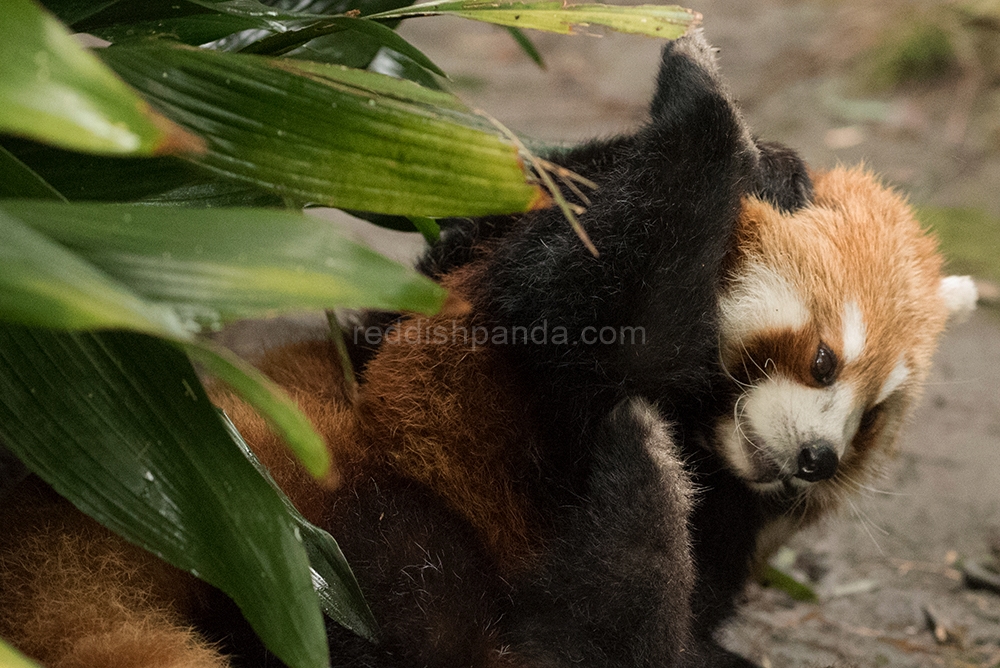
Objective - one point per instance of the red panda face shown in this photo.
(829, 320)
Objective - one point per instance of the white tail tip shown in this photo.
(960, 296)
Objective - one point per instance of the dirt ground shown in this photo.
(882, 571)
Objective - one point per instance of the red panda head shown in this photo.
(829, 319)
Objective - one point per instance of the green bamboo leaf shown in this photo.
(346, 47)
(53, 90)
(123, 13)
(773, 577)
(189, 21)
(43, 284)
(219, 264)
(269, 400)
(251, 8)
(194, 30)
(526, 46)
(392, 89)
(11, 658)
(119, 424)
(83, 176)
(666, 21)
(312, 132)
(73, 11)
(19, 180)
(381, 36)
(215, 194)
(339, 594)
(21, 301)
(428, 227)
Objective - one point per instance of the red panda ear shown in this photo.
(960, 295)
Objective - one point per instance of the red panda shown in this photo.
(584, 467)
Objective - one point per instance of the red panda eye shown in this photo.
(824, 367)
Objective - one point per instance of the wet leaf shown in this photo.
(331, 135)
(270, 401)
(340, 596)
(118, 424)
(19, 180)
(379, 34)
(43, 284)
(83, 176)
(55, 91)
(214, 265)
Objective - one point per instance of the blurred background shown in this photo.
(912, 89)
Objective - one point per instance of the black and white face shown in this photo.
(804, 409)
(828, 324)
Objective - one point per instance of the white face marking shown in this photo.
(736, 448)
(854, 334)
(897, 377)
(760, 299)
(772, 422)
(787, 414)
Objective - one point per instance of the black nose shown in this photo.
(817, 461)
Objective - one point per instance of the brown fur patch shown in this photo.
(435, 407)
(446, 415)
(791, 352)
(310, 373)
(860, 242)
(74, 594)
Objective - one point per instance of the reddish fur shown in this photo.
(74, 594)
(312, 376)
(65, 578)
(839, 250)
(410, 390)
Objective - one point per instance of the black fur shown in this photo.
(637, 570)
(425, 575)
(614, 590)
(662, 218)
(615, 587)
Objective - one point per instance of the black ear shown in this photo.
(784, 179)
(693, 118)
(688, 71)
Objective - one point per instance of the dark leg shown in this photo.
(615, 590)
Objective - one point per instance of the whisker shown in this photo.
(725, 369)
(873, 490)
(865, 523)
(802, 501)
(738, 420)
(762, 369)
